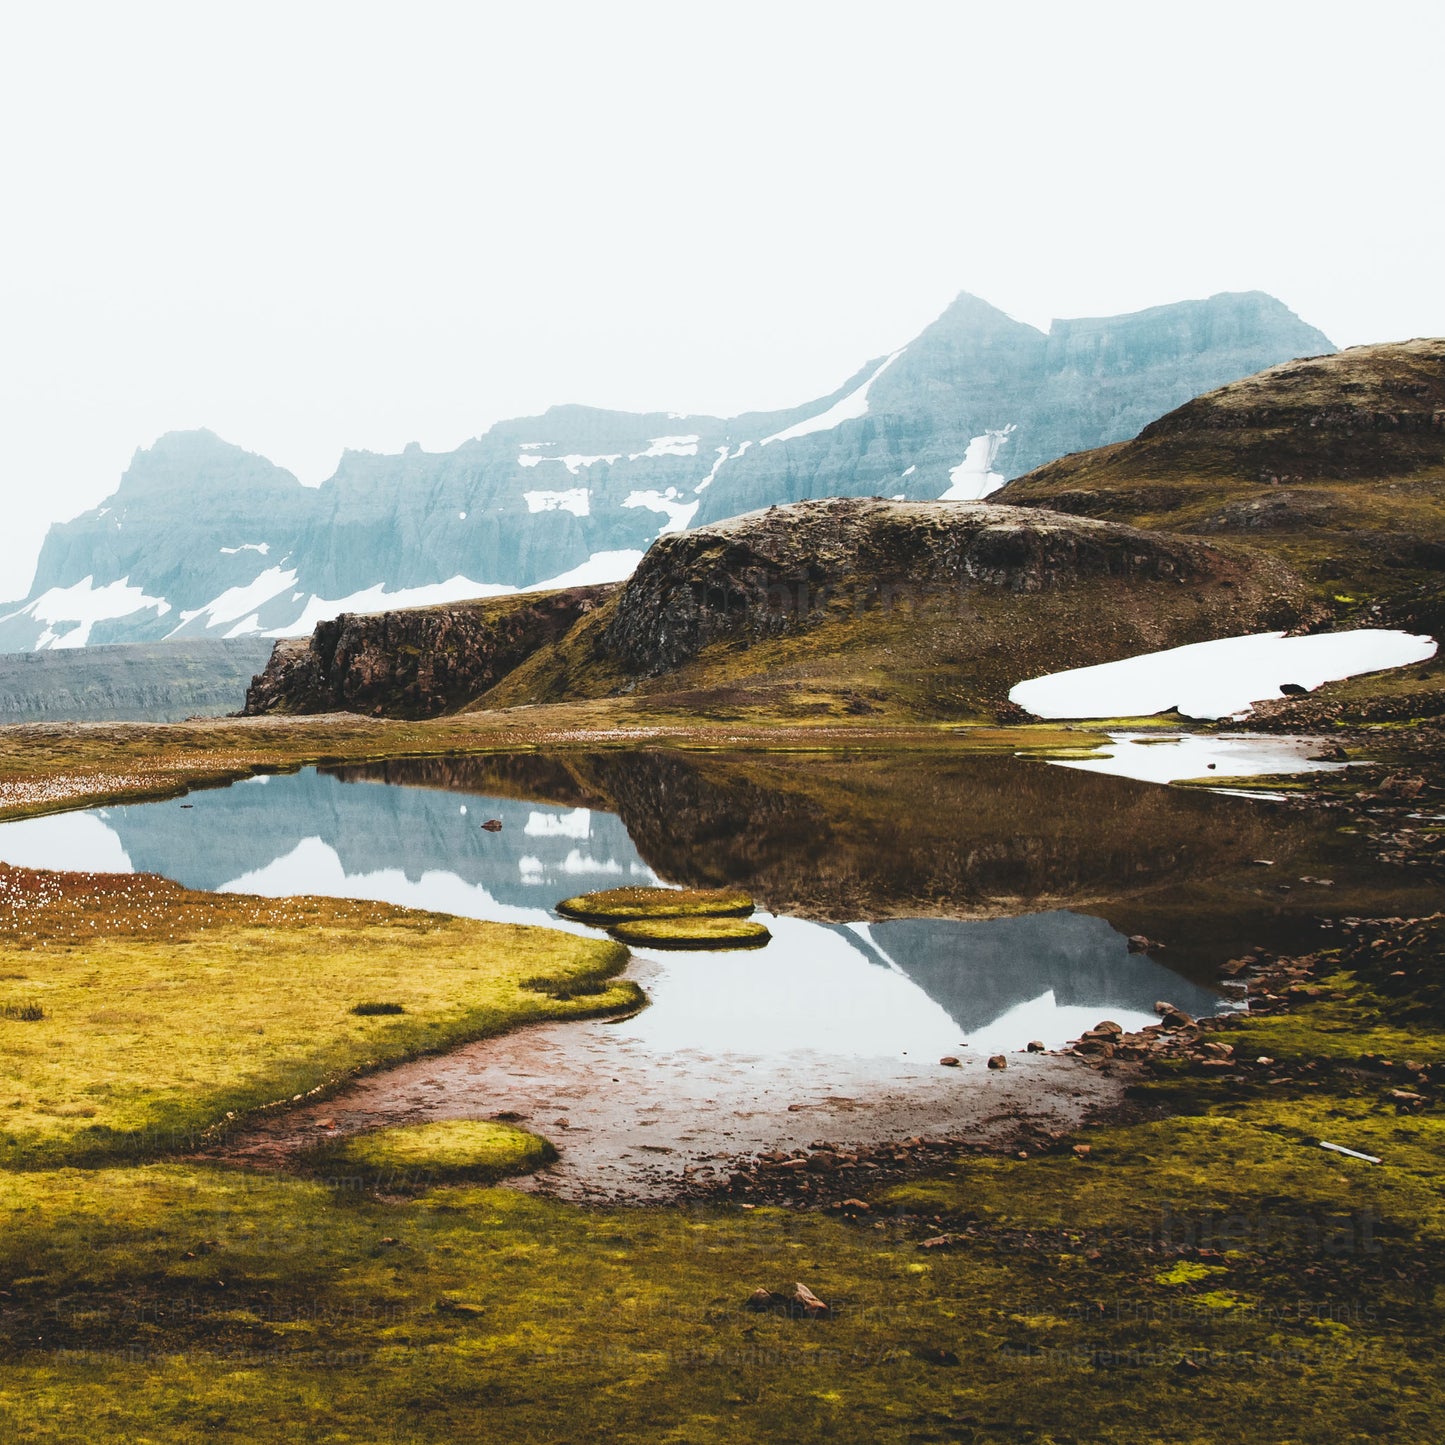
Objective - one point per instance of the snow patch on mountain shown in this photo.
(262, 547)
(974, 477)
(237, 602)
(670, 503)
(80, 606)
(685, 446)
(850, 408)
(723, 455)
(572, 461)
(615, 566)
(577, 500)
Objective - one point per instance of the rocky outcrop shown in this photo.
(783, 570)
(414, 663)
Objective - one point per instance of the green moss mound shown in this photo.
(619, 905)
(692, 933)
(447, 1150)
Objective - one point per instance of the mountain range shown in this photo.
(203, 539)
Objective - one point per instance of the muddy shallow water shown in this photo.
(637, 1123)
(920, 907)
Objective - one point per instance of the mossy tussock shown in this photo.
(442, 1151)
(620, 905)
(698, 933)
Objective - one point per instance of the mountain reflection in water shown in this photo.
(859, 862)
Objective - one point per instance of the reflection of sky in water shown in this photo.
(1156, 758)
(915, 987)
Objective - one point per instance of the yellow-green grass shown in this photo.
(1213, 1275)
(692, 933)
(166, 1011)
(444, 1150)
(617, 905)
(182, 1303)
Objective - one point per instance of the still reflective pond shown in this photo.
(845, 974)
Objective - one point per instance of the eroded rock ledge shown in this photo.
(416, 662)
(779, 570)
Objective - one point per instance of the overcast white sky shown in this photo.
(315, 225)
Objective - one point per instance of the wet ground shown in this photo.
(635, 1123)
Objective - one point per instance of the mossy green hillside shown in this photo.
(1334, 465)
(1211, 1276)
(166, 1011)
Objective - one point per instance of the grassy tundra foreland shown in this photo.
(1205, 1273)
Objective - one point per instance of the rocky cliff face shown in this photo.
(204, 539)
(979, 397)
(416, 663)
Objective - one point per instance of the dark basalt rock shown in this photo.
(783, 569)
(414, 663)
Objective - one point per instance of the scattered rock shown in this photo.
(1082, 1151)
(1036, 1046)
(933, 1356)
(783, 1166)
(997, 1061)
(949, 1062)
(493, 825)
(1401, 786)
(458, 1307)
(805, 1303)
(1404, 1099)
(1138, 943)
